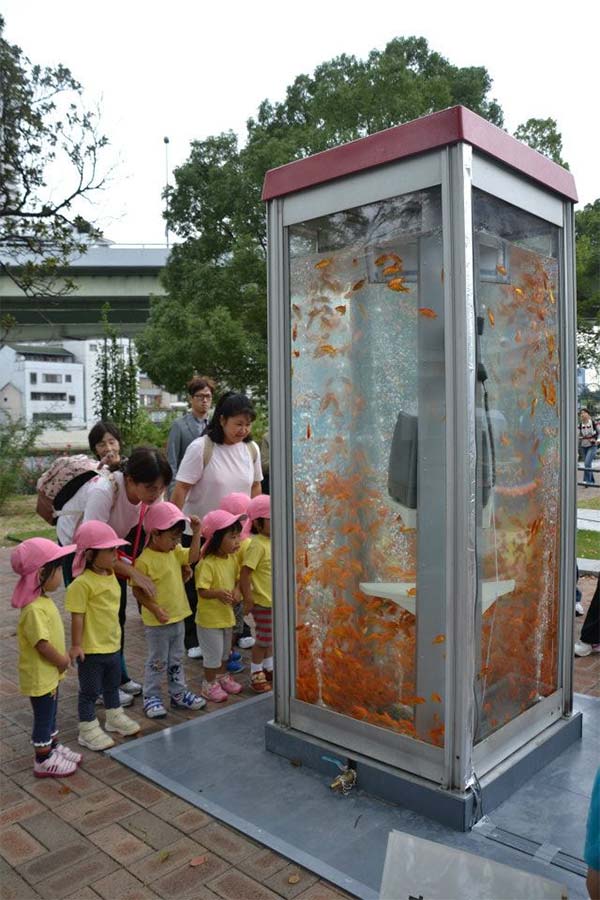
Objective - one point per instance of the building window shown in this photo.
(51, 379)
(93, 348)
(40, 395)
(33, 378)
(71, 398)
(54, 417)
(68, 379)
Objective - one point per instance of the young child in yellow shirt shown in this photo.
(164, 616)
(255, 583)
(216, 582)
(93, 600)
(42, 657)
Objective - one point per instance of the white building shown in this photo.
(86, 353)
(42, 382)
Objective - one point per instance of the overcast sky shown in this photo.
(191, 68)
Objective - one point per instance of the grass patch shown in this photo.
(592, 502)
(588, 544)
(47, 532)
(19, 519)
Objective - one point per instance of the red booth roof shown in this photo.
(427, 133)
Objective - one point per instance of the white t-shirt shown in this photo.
(230, 469)
(71, 515)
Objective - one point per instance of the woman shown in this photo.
(589, 434)
(228, 462)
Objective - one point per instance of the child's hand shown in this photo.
(64, 665)
(195, 524)
(186, 573)
(225, 597)
(76, 653)
(162, 615)
(237, 595)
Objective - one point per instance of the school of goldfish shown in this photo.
(355, 654)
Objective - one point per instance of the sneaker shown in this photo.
(269, 675)
(125, 699)
(244, 643)
(153, 708)
(188, 700)
(54, 766)
(579, 609)
(583, 649)
(214, 692)
(93, 737)
(131, 687)
(234, 656)
(229, 684)
(116, 720)
(259, 683)
(195, 653)
(235, 666)
(69, 755)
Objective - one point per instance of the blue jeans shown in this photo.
(44, 718)
(590, 456)
(99, 673)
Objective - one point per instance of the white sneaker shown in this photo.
(125, 699)
(245, 643)
(583, 649)
(131, 687)
(195, 653)
(579, 609)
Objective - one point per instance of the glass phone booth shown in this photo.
(422, 390)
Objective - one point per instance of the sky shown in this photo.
(188, 69)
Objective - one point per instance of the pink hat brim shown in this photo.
(28, 586)
(79, 561)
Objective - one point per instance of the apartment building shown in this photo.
(42, 382)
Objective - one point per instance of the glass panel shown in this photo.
(368, 388)
(518, 470)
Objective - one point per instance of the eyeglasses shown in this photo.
(206, 396)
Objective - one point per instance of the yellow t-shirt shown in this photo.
(165, 571)
(258, 558)
(97, 597)
(39, 621)
(240, 554)
(220, 573)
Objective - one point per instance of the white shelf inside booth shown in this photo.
(403, 593)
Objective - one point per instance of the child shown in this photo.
(237, 504)
(42, 657)
(93, 600)
(255, 582)
(216, 578)
(163, 617)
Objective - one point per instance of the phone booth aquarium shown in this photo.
(422, 390)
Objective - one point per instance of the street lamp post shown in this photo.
(166, 143)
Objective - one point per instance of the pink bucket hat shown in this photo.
(161, 516)
(260, 507)
(93, 535)
(26, 560)
(238, 504)
(216, 520)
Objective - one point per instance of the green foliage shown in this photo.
(17, 440)
(149, 433)
(45, 129)
(215, 311)
(587, 233)
(116, 381)
(543, 136)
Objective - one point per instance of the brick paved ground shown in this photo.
(107, 832)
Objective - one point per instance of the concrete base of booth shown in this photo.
(454, 809)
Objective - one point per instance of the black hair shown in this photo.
(98, 431)
(89, 562)
(180, 526)
(215, 542)
(230, 404)
(146, 465)
(48, 570)
(256, 521)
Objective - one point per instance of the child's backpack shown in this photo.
(61, 482)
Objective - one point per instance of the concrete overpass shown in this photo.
(122, 275)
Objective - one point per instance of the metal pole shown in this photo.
(166, 143)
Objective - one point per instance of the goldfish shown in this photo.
(435, 698)
(322, 264)
(294, 332)
(383, 258)
(392, 269)
(411, 592)
(439, 639)
(359, 285)
(534, 403)
(505, 440)
(341, 309)
(296, 353)
(398, 284)
(518, 291)
(551, 344)
(325, 349)
(518, 337)
(296, 310)
(308, 431)
(501, 270)
(549, 392)
(306, 559)
(491, 317)
(552, 297)
(427, 313)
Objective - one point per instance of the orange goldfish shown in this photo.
(427, 313)
(294, 332)
(341, 309)
(306, 559)
(325, 349)
(549, 392)
(435, 698)
(518, 291)
(411, 592)
(296, 310)
(308, 431)
(392, 269)
(296, 353)
(491, 317)
(518, 337)
(505, 440)
(500, 270)
(322, 264)
(398, 284)
(359, 285)
(439, 639)
(383, 258)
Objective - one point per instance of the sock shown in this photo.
(255, 667)
(42, 753)
(268, 664)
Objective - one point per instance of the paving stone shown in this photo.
(12, 887)
(16, 764)
(106, 769)
(281, 885)
(233, 885)
(83, 894)
(81, 806)
(83, 873)
(29, 807)
(84, 783)
(121, 844)
(182, 815)
(167, 859)
(52, 831)
(323, 891)
(150, 829)
(142, 791)
(53, 862)
(263, 864)
(122, 885)
(50, 791)
(106, 815)
(188, 883)
(11, 794)
(17, 846)
(225, 842)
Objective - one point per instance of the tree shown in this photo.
(215, 311)
(116, 381)
(543, 136)
(48, 138)
(587, 235)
